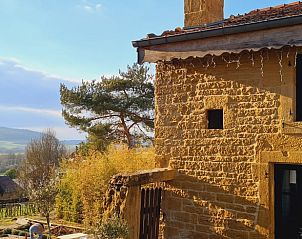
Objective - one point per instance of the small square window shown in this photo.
(215, 119)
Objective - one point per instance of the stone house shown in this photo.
(229, 120)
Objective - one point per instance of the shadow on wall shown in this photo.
(198, 209)
(259, 93)
(267, 69)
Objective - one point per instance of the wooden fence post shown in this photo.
(132, 211)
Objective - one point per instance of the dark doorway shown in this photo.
(150, 213)
(288, 201)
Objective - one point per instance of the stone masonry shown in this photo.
(224, 183)
(198, 12)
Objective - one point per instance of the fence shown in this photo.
(17, 209)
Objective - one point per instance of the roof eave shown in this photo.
(229, 30)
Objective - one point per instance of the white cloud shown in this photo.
(31, 99)
(63, 132)
(49, 112)
(89, 6)
(16, 63)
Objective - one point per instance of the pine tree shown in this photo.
(115, 109)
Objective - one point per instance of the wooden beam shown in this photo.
(236, 43)
(145, 177)
(132, 211)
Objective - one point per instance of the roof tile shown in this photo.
(257, 15)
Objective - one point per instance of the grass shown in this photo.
(54, 220)
(11, 222)
(7, 147)
(7, 223)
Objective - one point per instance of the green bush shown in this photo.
(22, 233)
(81, 192)
(15, 232)
(44, 237)
(12, 173)
(112, 228)
(7, 231)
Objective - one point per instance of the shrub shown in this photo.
(113, 228)
(81, 191)
(7, 231)
(15, 232)
(21, 233)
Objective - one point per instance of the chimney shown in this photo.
(199, 12)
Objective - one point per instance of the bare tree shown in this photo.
(38, 173)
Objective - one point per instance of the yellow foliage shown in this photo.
(85, 180)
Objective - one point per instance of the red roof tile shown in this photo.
(258, 15)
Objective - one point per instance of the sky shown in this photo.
(45, 43)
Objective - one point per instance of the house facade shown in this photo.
(229, 120)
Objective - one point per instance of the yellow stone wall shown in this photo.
(224, 189)
(198, 12)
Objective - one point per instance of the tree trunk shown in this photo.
(130, 141)
(48, 225)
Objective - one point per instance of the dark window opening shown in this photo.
(299, 87)
(215, 119)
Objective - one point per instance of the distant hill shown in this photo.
(18, 136)
(15, 140)
(71, 142)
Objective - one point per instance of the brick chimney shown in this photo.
(199, 12)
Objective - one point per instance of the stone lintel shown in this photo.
(144, 177)
(294, 128)
(285, 157)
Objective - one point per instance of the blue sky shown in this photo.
(43, 43)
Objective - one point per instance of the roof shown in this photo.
(258, 16)
(265, 14)
(7, 185)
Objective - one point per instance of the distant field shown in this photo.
(10, 147)
(7, 147)
(13, 143)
